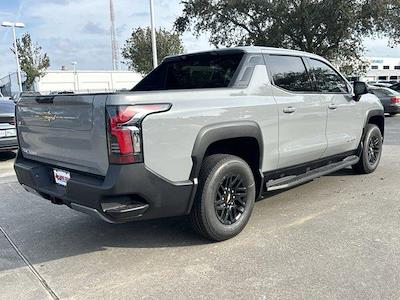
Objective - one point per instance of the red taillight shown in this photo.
(124, 131)
(395, 99)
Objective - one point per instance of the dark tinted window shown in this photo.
(386, 67)
(327, 79)
(397, 67)
(211, 70)
(374, 67)
(289, 73)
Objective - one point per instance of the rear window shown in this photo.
(199, 71)
(289, 73)
(382, 92)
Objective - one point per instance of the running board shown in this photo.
(291, 181)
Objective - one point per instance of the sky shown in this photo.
(79, 30)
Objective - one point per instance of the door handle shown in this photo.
(289, 110)
(332, 106)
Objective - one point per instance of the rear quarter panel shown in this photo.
(169, 137)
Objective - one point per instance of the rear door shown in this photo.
(302, 118)
(345, 116)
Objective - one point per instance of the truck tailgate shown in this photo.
(68, 131)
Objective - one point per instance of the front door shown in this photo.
(345, 117)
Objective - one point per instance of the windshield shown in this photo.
(198, 71)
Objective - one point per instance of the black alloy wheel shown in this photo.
(225, 197)
(230, 201)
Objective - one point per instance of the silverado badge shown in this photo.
(48, 116)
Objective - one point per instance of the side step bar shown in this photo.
(291, 181)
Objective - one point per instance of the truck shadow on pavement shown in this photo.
(45, 232)
(343, 172)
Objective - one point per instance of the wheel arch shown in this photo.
(212, 137)
(376, 117)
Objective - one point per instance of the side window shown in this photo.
(327, 79)
(289, 73)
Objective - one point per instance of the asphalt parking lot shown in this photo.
(336, 237)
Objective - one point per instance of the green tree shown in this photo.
(137, 50)
(32, 61)
(332, 29)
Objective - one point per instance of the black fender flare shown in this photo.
(375, 113)
(222, 131)
(372, 113)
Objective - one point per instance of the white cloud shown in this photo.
(380, 48)
(78, 30)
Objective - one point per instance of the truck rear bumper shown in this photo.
(126, 193)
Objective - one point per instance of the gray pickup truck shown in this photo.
(203, 135)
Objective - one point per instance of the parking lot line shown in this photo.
(29, 265)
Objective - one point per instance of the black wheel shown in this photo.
(225, 197)
(372, 150)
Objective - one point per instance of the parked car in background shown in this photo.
(382, 83)
(396, 87)
(389, 98)
(8, 135)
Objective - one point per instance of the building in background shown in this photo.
(87, 81)
(75, 81)
(383, 68)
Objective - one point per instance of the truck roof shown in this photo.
(256, 49)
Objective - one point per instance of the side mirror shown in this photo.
(360, 88)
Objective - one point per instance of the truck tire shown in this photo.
(371, 151)
(225, 197)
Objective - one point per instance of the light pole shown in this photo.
(13, 26)
(153, 35)
(74, 63)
